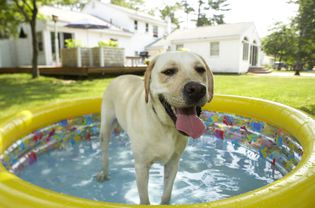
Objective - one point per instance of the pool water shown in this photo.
(209, 170)
(66, 156)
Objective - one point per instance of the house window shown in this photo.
(146, 27)
(214, 49)
(22, 33)
(155, 31)
(40, 43)
(136, 24)
(63, 37)
(245, 49)
(179, 47)
(52, 41)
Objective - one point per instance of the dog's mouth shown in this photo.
(186, 119)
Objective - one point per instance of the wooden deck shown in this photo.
(78, 71)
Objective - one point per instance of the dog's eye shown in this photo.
(170, 71)
(200, 69)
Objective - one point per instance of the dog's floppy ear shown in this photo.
(209, 77)
(147, 78)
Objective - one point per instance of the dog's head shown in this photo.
(182, 82)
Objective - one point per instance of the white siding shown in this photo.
(140, 38)
(23, 52)
(7, 53)
(109, 14)
(24, 48)
(228, 59)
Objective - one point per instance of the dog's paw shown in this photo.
(101, 176)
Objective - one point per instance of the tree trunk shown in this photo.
(298, 68)
(275, 60)
(279, 65)
(35, 70)
(199, 13)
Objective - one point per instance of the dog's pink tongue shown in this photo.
(188, 122)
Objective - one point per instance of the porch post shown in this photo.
(91, 61)
(102, 64)
(55, 19)
(79, 57)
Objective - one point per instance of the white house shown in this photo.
(228, 48)
(21, 48)
(132, 30)
(144, 28)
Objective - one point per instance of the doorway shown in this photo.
(62, 37)
(253, 60)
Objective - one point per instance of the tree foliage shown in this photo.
(9, 20)
(26, 11)
(295, 43)
(187, 10)
(211, 12)
(131, 4)
(305, 23)
(169, 11)
(281, 43)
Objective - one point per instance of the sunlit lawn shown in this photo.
(19, 91)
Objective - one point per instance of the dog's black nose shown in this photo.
(194, 91)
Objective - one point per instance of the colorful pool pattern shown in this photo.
(265, 141)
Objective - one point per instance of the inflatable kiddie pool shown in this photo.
(295, 189)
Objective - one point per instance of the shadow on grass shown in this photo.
(310, 109)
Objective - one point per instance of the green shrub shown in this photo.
(110, 43)
(72, 43)
(113, 43)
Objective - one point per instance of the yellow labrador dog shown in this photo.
(158, 113)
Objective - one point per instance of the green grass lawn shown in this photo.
(19, 92)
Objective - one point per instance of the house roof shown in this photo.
(67, 17)
(211, 31)
(136, 14)
(205, 32)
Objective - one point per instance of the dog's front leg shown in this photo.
(107, 125)
(170, 171)
(142, 176)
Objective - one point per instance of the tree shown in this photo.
(295, 43)
(281, 43)
(169, 11)
(131, 4)
(210, 12)
(187, 9)
(9, 20)
(28, 10)
(305, 22)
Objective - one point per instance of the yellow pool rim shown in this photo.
(297, 189)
